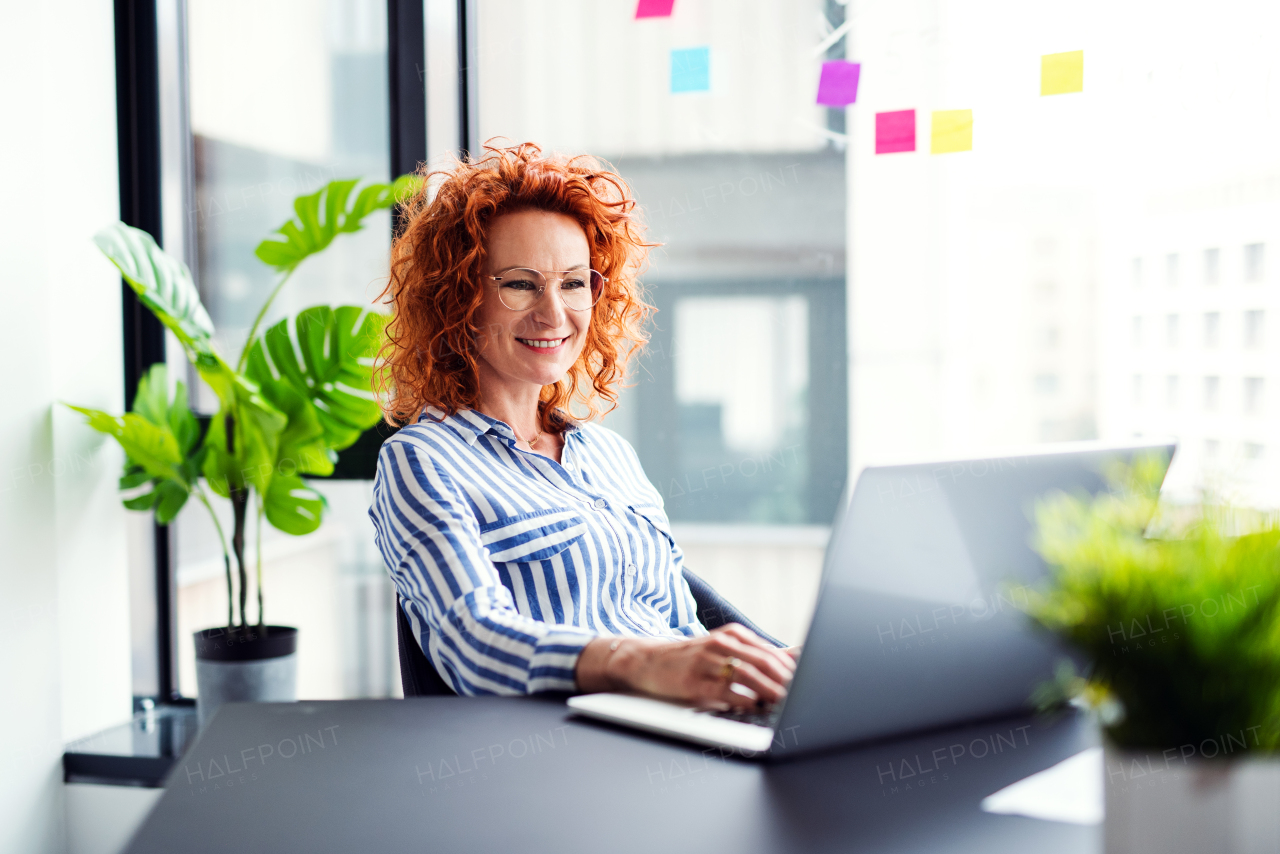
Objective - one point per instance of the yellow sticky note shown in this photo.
(1061, 73)
(952, 131)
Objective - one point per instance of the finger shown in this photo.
(750, 638)
(766, 689)
(765, 661)
(720, 694)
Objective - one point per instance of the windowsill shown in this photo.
(138, 753)
(804, 536)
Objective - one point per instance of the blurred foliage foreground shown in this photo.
(1175, 619)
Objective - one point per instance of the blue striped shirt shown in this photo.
(510, 563)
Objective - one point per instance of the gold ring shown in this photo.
(730, 667)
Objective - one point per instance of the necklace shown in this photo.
(532, 441)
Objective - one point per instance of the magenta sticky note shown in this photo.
(838, 85)
(654, 8)
(895, 131)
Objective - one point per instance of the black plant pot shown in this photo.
(251, 664)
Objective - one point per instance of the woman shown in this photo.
(530, 550)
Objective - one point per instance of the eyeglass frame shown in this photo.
(604, 280)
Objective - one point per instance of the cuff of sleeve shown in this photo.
(555, 659)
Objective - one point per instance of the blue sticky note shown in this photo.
(691, 69)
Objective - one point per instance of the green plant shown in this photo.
(300, 391)
(1179, 625)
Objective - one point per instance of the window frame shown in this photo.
(140, 124)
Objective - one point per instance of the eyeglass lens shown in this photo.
(519, 289)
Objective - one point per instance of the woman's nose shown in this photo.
(550, 309)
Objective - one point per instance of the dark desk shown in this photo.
(501, 775)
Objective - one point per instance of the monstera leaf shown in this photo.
(328, 361)
(162, 282)
(292, 506)
(324, 215)
(164, 285)
(160, 439)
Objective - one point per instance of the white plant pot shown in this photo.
(1192, 799)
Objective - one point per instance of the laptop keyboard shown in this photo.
(765, 718)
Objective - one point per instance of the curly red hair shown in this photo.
(437, 264)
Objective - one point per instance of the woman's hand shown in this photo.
(731, 667)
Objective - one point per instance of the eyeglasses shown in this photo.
(520, 288)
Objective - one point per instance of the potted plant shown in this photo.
(1175, 613)
(289, 403)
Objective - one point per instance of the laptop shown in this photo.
(917, 623)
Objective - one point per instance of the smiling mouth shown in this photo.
(542, 343)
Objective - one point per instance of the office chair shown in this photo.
(420, 679)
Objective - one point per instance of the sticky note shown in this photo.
(691, 69)
(952, 131)
(1061, 73)
(895, 131)
(838, 85)
(654, 9)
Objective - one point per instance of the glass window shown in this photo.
(1171, 391)
(1253, 328)
(285, 98)
(1211, 393)
(1211, 324)
(1253, 390)
(1253, 259)
(1135, 326)
(1171, 330)
(1124, 175)
(1211, 266)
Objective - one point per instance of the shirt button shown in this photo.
(601, 504)
(631, 569)
(568, 466)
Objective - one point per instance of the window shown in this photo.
(1171, 391)
(739, 406)
(1135, 327)
(1135, 272)
(1253, 329)
(1171, 269)
(1171, 330)
(1253, 260)
(1211, 266)
(1046, 384)
(1136, 389)
(1253, 391)
(1211, 325)
(1253, 451)
(1211, 393)
(1211, 448)
(279, 110)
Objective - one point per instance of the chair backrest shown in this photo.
(420, 679)
(417, 675)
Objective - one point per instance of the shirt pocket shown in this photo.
(655, 516)
(532, 536)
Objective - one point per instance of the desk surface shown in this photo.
(485, 775)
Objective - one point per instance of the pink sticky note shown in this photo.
(895, 131)
(654, 9)
(838, 86)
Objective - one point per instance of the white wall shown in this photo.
(65, 666)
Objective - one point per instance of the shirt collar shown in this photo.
(470, 424)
